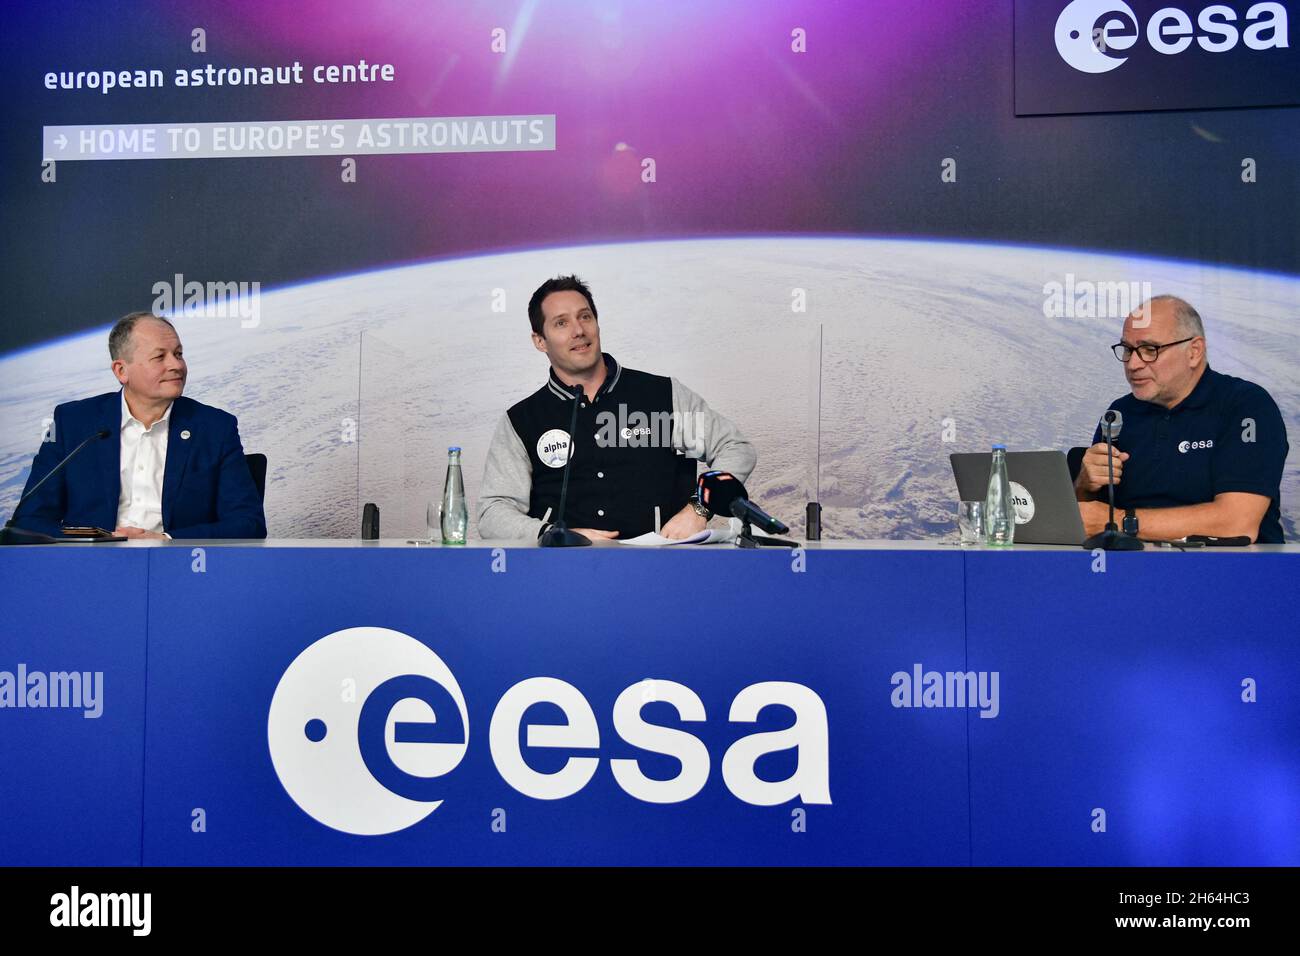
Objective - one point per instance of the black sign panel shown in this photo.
(1101, 56)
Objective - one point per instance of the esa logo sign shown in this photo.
(1175, 55)
(1094, 36)
(362, 725)
(1185, 446)
(370, 762)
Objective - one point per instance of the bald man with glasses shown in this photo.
(1199, 452)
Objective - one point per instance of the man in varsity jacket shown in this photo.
(639, 438)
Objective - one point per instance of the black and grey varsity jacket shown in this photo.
(637, 447)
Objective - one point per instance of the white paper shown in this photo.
(708, 536)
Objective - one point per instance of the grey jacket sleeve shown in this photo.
(506, 489)
(702, 433)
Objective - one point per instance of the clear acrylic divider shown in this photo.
(394, 466)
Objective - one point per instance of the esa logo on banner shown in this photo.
(367, 762)
(1105, 55)
(370, 761)
(1092, 35)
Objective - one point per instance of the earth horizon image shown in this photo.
(855, 365)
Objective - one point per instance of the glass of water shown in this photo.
(970, 522)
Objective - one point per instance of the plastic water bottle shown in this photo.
(454, 516)
(999, 518)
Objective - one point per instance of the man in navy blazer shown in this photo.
(170, 467)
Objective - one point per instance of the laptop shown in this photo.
(1041, 492)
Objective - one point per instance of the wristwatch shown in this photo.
(1130, 522)
(700, 510)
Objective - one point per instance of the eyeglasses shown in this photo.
(1146, 352)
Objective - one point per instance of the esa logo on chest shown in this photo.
(1185, 446)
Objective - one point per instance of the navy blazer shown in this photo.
(207, 489)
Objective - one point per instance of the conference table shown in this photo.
(849, 702)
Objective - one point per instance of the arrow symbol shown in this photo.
(62, 141)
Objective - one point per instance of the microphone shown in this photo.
(15, 535)
(1111, 423)
(1111, 539)
(559, 535)
(723, 493)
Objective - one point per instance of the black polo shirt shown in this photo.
(624, 463)
(1227, 435)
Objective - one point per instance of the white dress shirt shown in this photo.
(142, 462)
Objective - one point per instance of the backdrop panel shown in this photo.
(1157, 699)
(72, 786)
(736, 180)
(601, 622)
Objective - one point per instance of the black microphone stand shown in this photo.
(747, 538)
(559, 535)
(12, 534)
(1111, 539)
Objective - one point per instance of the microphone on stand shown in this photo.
(11, 533)
(1112, 539)
(559, 535)
(723, 493)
